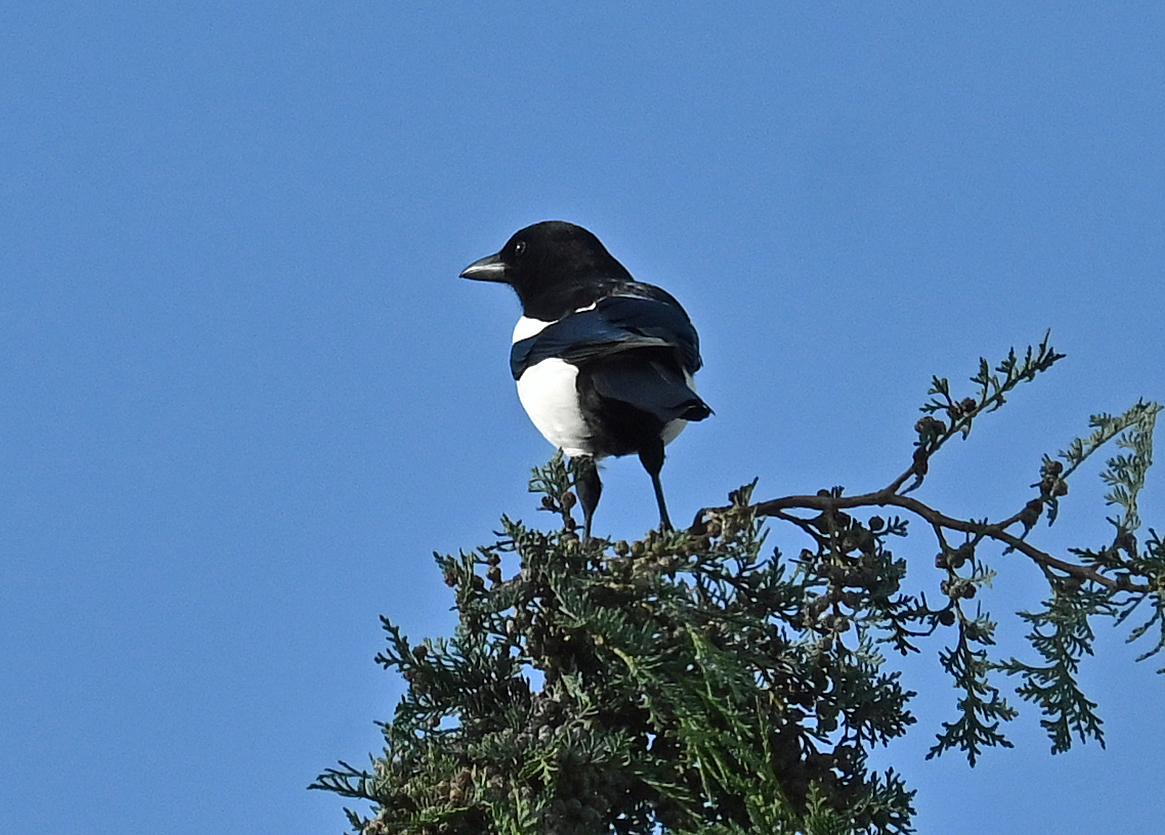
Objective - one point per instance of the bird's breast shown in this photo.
(548, 391)
(549, 394)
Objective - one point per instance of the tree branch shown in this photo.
(888, 497)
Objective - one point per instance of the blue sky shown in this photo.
(245, 396)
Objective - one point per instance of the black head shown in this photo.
(551, 264)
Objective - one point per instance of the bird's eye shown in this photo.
(519, 247)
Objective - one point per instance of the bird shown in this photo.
(604, 364)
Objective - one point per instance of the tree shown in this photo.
(697, 682)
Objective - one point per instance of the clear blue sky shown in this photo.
(245, 396)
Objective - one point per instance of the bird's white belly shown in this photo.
(550, 397)
(671, 430)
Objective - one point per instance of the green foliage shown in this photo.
(686, 681)
(982, 708)
(1061, 634)
(1150, 563)
(695, 682)
(991, 394)
(1125, 474)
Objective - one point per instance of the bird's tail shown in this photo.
(655, 387)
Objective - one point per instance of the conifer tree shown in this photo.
(698, 682)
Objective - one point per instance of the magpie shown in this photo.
(603, 362)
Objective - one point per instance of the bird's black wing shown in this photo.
(614, 325)
(631, 350)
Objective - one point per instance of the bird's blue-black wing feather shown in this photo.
(614, 325)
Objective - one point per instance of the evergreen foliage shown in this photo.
(695, 682)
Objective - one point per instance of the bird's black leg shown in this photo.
(589, 488)
(652, 459)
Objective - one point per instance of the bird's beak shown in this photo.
(490, 268)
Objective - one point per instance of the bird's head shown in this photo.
(548, 259)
